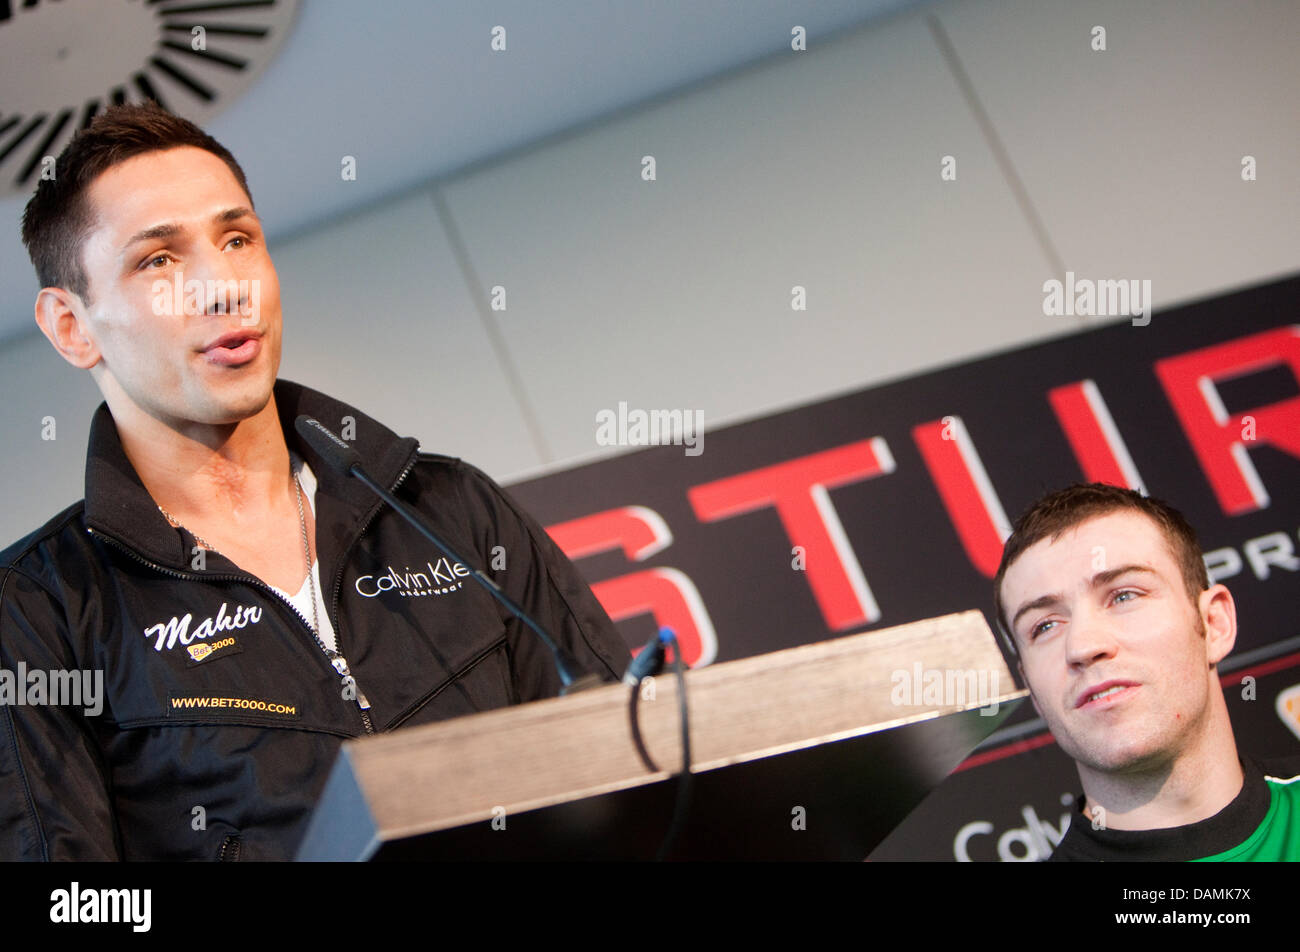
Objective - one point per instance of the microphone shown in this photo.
(342, 458)
(334, 450)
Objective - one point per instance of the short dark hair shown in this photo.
(59, 215)
(1060, 511)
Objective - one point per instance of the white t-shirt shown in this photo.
(302, 600)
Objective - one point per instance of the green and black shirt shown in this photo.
(1262, 824)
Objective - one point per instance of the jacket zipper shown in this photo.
(338, 661)
(336, 658)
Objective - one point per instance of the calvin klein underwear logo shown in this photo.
(178, 629)
(441, 578)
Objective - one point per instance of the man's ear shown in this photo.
(60, 316)
(1021, 668)
(1219, 615)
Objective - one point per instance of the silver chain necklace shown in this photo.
(306, 545)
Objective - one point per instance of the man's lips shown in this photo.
(234, 338)
(235, 347)
(1112, 692)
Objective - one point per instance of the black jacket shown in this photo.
(216, 737)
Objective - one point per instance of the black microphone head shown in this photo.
(334, 451)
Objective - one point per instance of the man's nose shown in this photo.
(222, 291)
(1089, 638)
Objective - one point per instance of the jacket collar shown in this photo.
(118, 504)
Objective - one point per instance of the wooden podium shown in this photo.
(814, 752)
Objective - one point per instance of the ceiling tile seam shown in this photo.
(495, 338)
(1000, 154)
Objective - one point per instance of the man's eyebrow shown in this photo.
(171, 229)
(1042, 601)
(234, 214)
(1097, 581)
(154, 231)
(1108, 576)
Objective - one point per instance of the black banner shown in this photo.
(890, 504)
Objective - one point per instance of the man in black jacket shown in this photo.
(245, 607)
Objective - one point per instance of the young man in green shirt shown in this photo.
(1103, 595)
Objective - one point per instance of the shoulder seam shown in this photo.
(69, 515)
(524, 518)
(15, 570)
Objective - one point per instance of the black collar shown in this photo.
(1211, 836)
(118, 504)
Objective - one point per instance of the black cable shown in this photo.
(648, 663)
(684, 779)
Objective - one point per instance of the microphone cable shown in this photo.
(648, 663)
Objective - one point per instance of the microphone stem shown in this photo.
(564, 663)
